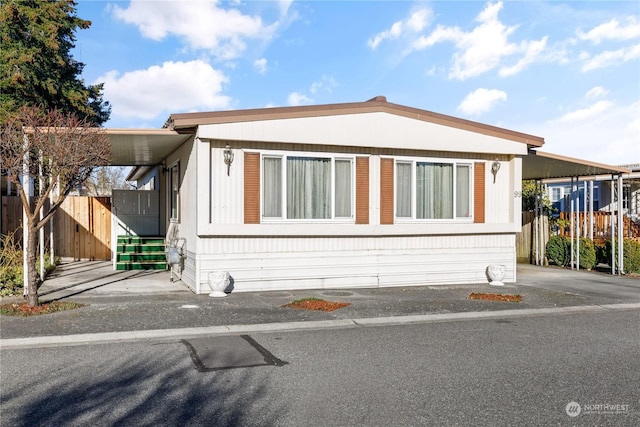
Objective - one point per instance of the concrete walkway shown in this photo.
(140, 305)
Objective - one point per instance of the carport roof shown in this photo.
(543, 165)
(142, 147)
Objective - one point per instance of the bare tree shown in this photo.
(58, 149)
(104, 179)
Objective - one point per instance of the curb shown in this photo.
(182, 333)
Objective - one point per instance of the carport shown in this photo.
(542, 166)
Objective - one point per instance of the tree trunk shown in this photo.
(32, 248)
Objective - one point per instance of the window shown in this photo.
(433, 190)
(174, 189)
(303, 188)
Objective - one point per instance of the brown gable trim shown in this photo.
(478, 192)
(386, 191)
(362, 190)
(252, 188)
(377, 104)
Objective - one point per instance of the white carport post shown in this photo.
(591, 210)
(620, 228)
(26, 185)
(571, 200)
(612, 219)
(41, 232)
(577, 223)
(536, 225)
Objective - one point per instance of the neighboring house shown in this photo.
(343, 195)
(599, 189)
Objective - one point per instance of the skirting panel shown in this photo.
(418, 261)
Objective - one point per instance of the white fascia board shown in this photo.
(377, 130)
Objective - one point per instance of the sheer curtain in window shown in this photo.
(434, 190)
(343, 188)
(463, 209)
(308, 188)
(272, 187)
(403, 190)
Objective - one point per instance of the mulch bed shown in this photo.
(316, 304)
(495, 297)
(23, 309)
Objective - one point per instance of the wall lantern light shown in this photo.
(495, 167)
(228, 157)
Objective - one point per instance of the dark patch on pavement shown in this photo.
(337, 293)
(229, 352)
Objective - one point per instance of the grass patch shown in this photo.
(23, 309)
(316, 304)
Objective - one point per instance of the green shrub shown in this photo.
(631, 256)
(587, 254)
(10, 266)
(559, 250)
(11, 263)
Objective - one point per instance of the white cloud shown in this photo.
(260, 65)
(610, 58)
(610, 136)
(485, 47)
(326, 83)
(202, 25)
(284, 6)
(585, 114)
(296, 98)
(532, 50)
(612, 30)
(596, 92)
(415, 23)
(481, 101)
(161, 90)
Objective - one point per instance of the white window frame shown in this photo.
(414, 161)
(333, 157)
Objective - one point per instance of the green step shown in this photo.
(142, 257)
(140, 240)
(140, 253)
(131, 247)
(141, 266)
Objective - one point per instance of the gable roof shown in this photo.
(187, 122)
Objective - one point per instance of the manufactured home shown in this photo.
(365, 194)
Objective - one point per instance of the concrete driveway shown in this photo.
(585, 283)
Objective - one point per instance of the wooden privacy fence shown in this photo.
(526, 239)
(601, 225)
(81, 226)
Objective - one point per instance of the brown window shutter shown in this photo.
(386, 191)
(362, 190)
(478, 192)
(252, 188)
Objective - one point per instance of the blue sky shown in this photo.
(568, 71)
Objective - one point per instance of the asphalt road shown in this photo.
(520, 371)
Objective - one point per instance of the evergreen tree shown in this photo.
(36, 66)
